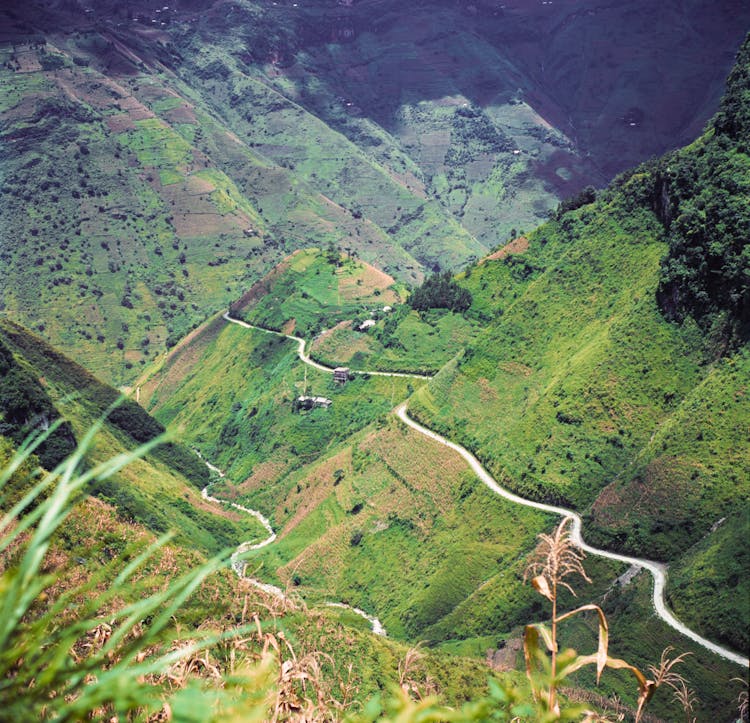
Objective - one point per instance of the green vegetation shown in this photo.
(245, 418)
(364, 519)
(102, 635)
(440, 291)
(61, 660)
(557, 560)
(352, 314)
(25, 407)
(162, 488)
(598, 361)
(116, 650)
(400, 340)
(578, 380)
(708, 578)
(146, 214)
(704, 190)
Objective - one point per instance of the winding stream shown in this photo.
(240, 567)
(658, 570)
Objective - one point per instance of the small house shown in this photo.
(341, 375)
(312, 402)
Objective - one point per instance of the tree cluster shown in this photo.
(440, 291)
(582, 198)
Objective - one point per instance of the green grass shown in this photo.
(706, 586)
(48, 669)
(155, 144)
(167, 177)
(245, 416)
(90, 626)
(412, 341)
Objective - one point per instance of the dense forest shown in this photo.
(701, 195)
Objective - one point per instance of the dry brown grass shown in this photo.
(411, 678)
(743, 706)
(516, 246)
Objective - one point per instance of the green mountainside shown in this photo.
(586, 391)
(160, 491)
(575, 383)
(362, 516)
(146, 212)
(157, 162)
(96, 575)
(160, 165)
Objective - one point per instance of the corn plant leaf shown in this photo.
(601, 655)
(531, 651)
(542, 586)
(646, 687)
(545, 633)
(576, 664)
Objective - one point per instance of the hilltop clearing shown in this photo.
(353, 315)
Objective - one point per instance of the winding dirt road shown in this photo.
(658, 570)
(305, 357)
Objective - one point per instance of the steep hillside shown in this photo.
(496, 111)
(581, 389)
(161, 164)
(377, 516)
(84, 597)
(131, 210)
(234, 392)
(160, 491)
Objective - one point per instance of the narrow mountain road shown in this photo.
(658, 570)
(305, 357)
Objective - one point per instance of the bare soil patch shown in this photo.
(27, 59)
(372, 279)
(181, 114)
(120, 123)
(516, 246)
